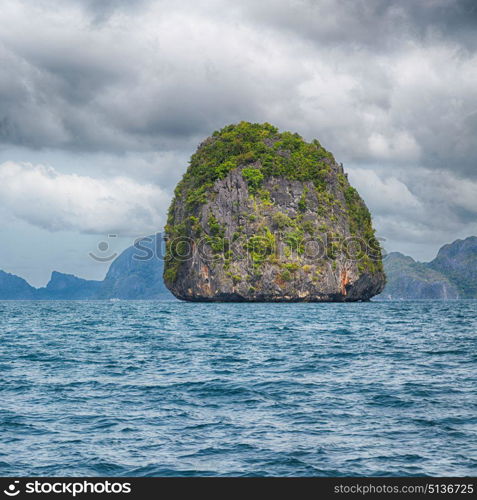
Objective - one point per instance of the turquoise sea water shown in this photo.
(171, 388)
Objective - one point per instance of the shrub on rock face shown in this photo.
(262, 215)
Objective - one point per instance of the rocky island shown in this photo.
(451, 275)
(263, 215)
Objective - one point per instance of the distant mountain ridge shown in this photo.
(408, 279)
(14, 287)
(68, 287)
(458, 262)
(451, 275)
(135, 274)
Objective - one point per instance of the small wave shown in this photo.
(391, 401)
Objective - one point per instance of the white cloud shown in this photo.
(387, 194)
(44, 197)
(400, 146)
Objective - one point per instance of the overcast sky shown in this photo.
(102, 102)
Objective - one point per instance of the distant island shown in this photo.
(263, 215)
(130, 276)
(451, 275)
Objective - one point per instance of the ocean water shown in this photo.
(182, 389)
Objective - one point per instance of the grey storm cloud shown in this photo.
(376, 24)
(388, 86)
(373, 80)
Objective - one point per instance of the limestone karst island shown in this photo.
(262, 215)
